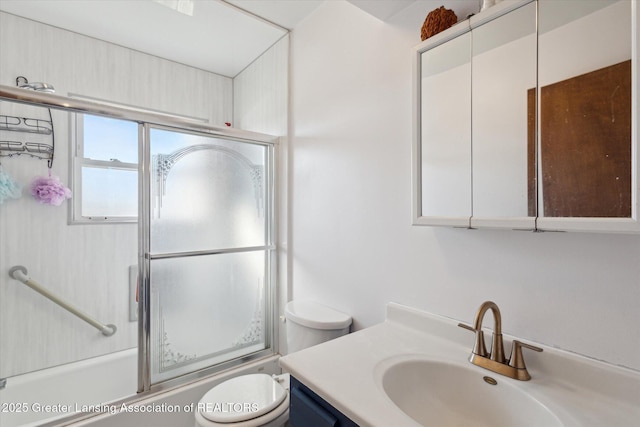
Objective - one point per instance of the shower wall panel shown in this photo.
(260, 92)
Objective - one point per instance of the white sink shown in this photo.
(440, 393)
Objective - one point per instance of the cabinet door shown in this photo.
(442, 144)
(587, 116)
(307, 409)
(503, 79)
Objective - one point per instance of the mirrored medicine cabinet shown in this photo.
(525, 117)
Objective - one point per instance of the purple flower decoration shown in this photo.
(49, 190)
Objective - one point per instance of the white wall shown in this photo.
(351, 243)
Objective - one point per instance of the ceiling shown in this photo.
(220, 36)
(212, 35)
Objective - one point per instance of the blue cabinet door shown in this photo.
(307, 409)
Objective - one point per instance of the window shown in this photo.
(105, 169)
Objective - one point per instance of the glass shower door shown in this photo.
(210, 251)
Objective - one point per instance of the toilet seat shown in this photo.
(244, 401)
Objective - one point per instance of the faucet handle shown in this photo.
(479, 347)
(467, 327)
(516, 360)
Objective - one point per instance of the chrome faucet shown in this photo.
(495, 361)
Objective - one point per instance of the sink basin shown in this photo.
(439, 393)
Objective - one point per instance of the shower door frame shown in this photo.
(146, 256)
(145, 119)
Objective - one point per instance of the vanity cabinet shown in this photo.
(525, 117)
(307, 409)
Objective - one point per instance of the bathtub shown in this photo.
(183, 398)
(85, 386)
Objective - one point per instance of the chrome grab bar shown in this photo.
(19, 273)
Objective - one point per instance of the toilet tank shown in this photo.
(310, 323)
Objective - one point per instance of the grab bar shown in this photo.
(19, 272)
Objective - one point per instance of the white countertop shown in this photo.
(578, 390)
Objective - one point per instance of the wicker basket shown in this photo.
(438, 20)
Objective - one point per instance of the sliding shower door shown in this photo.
(210, 251)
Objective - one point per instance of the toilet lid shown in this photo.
(316, 316)
(242, 398)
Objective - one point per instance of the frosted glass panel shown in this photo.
(207, 193)
(205, 310)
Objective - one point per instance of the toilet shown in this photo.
(261, 400)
